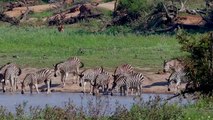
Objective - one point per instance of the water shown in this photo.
(10, 101)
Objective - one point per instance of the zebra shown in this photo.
(89, 76)
(71, 65)
(178, 73)
(127, 82)
(11, 74)
(177, 77)
(33, 79)
(102, 80)
(123, 69)
(2, 71)
(173, 65)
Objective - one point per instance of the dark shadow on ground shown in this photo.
(156, 84)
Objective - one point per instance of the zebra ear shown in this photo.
(102, 69)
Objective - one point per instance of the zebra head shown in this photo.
(56, 69)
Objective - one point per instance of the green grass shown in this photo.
(42, 47)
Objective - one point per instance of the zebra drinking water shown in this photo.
(128, 82)
(102, 81)
(33, 79)
(72, 65)
(89, 76)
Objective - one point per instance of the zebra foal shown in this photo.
(33, 79)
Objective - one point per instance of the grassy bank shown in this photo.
(42, 47)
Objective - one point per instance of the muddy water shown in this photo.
(79, 99)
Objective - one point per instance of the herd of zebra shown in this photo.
(124, 78)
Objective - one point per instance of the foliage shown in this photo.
(136, 8)
(153, 109)
(199, 60)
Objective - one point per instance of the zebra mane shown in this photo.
(5, 65)
(58, 64)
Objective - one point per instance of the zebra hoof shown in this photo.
(168, 89)
(111, 94)
(80, 84)
(93, 94)
(3, 91)
(22, 92)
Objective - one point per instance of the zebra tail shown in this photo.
(82, 65)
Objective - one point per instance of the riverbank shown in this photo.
(153, 83)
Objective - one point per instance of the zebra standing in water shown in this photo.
(89, 76)
(72, 65)
(128, 82)
(33, 79)
(178, 74)
(9, 73)
(102, 81)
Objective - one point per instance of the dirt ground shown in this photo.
(153, 83)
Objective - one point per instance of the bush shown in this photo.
(199, 60)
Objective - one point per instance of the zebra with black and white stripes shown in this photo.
(89, 76)
(33, 79)
(175, 79)
(72, 65)
(9, 75)
(123, 69)
(128, 82)
(102, 81)
(178, 74)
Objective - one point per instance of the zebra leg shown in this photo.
(48, 86)
(66, 76)
(36, 86)
(3, 86)
(120, 91)
(31, 88)
(84, 86)
(132, 91)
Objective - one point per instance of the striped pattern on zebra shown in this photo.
(178, 74)
(9, 73)
(72, 65)
(89, 76)
(33, 79)
(128, 82)
(102, 81)
(175, 79)
(123, 69)
(173, 65)
(2, 71)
